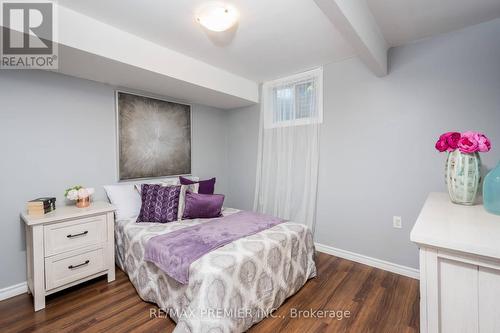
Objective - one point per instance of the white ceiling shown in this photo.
(274, 37)
(403, 21)
(279, 37)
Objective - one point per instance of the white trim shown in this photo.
(374, 262)
(13, 290)
(314, 75)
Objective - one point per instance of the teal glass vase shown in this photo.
(463, 177)
(491, 191)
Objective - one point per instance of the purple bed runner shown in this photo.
(176, 251)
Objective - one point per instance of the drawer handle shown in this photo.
(76, 235)
(80, 265)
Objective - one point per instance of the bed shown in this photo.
(229, 289)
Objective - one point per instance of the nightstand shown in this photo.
(68, 246)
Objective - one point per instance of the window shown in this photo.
(295, 100)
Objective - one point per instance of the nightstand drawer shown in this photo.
(75, 234)
(61, 269)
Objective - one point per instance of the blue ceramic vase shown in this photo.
(491, 191)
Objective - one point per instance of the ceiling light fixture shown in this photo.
(217, 17)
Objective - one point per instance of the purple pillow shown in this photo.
(159, 203)
(202, 206)
(206, 186)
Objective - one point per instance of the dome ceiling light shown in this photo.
(217, 17)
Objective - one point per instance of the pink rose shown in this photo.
(452, 139)
(483, 142)
(448, 141)
(468, 143)
(441, 144)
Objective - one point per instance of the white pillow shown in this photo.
(182, 198)
(170, 181)
(126, 200)
(163, 182)
(193, 178)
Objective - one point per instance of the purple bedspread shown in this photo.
(176, 251)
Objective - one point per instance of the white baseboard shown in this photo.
(14, 290)
(382, 264)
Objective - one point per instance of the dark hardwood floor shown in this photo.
(377, 301)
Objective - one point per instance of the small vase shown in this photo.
(491, 191)
(83, 203)
(463, 177)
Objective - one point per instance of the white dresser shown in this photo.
(459, 267)
(68, 246)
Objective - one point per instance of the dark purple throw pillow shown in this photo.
(159, 203)
(202, 206)
(206, 186)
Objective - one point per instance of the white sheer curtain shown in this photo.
(287, 166)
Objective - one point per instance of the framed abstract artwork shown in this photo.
(154, 137)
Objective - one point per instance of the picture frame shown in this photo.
(153, 137)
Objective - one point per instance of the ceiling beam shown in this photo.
(97, 51)
(82, 32)
(355, 21)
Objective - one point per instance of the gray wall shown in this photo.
(243, 135)
(57, 131)
(377, 155)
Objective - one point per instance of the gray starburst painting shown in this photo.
(154, 137)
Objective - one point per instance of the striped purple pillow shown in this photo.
(160, 204)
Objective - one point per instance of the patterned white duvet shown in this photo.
(230, 288)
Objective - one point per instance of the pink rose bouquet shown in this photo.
(468, 142)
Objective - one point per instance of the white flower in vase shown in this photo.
(72, 195)
(79, 194)
(83, 193)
